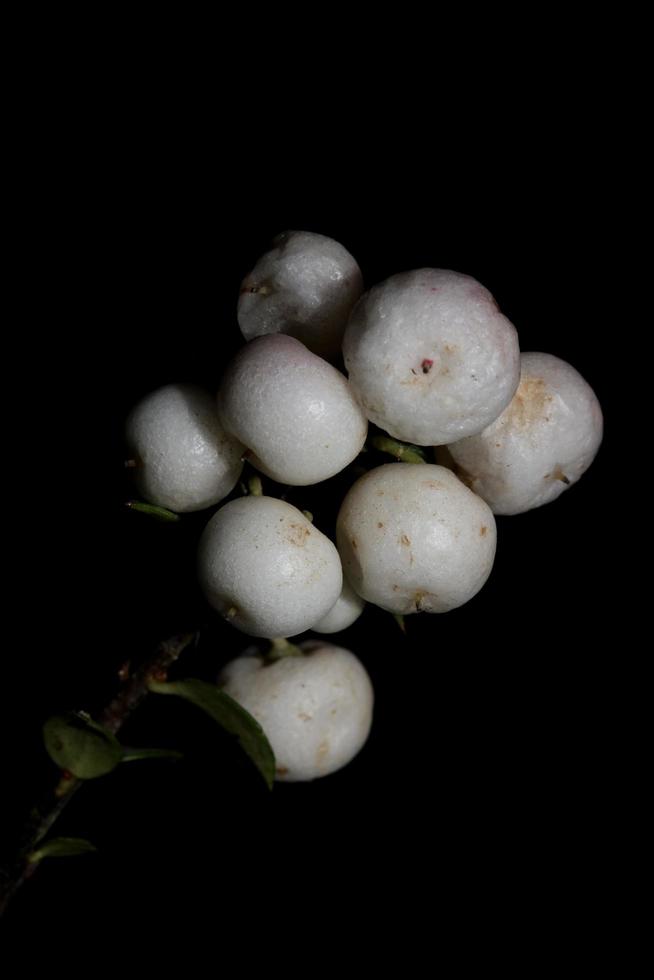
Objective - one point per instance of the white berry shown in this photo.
(541, 444)
(184, 460)
(430, 356)
(413, 538)
(294, 411)
(345, 611)
(305, 287)
(316, 709)
(266, 568)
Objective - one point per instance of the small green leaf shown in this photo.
(61, 847)
(132, 755)
(230, 715)
(399, 619)
(78, 744)
(159, 513)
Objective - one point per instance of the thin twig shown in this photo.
(113, 717)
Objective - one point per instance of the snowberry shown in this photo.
(184, 460)
(430, 356)
(305, 287)
(413, 538)
(266, 568)
(540, 444)
(347, 608)
(294, 411)
(316, 709)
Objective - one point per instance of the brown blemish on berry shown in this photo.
(450, 348)
(379, 524)
(353, 542)
(323, 751)
(298, 534)
(303, 716)
(404, 539)
(483, 530)
(434, 484)
(558, 474)
(396, 588)
(528, 405)
(281, 770)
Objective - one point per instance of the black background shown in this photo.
(493, 723)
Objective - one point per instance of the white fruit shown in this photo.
(315, 709)
(266, 568)
(294, 411)
(305, 287)
(413, 538)
(185, 461)
(430, 356)
(345, 611)
(541, 444)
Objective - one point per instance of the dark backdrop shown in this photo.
(492, 724)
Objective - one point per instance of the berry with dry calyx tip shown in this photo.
(184, 459)
(316, 708)
(542, 442)
(415, 539)
(304, 287)
(266, 568)
(293, 410)
(430, 356)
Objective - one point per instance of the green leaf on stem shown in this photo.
(62, 847)
(79, 745)
(133, 755)
(159, 513)
(230, 715)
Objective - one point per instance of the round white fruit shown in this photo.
(295, 412)
(430, 356)
(540, 445)
(305, 287)
(345, 611)
(184, 459)
(266, 568)
(315, 709)
(413, 538)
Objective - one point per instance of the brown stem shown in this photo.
(113, 717)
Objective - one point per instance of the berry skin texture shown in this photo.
(294, 411)
(413, 538)
(315, 709)
(346, 610)
(306, 287)
(185, 460)
(266, 568)
(541, 443)
(430, 356)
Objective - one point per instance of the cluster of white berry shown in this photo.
(431, 361)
